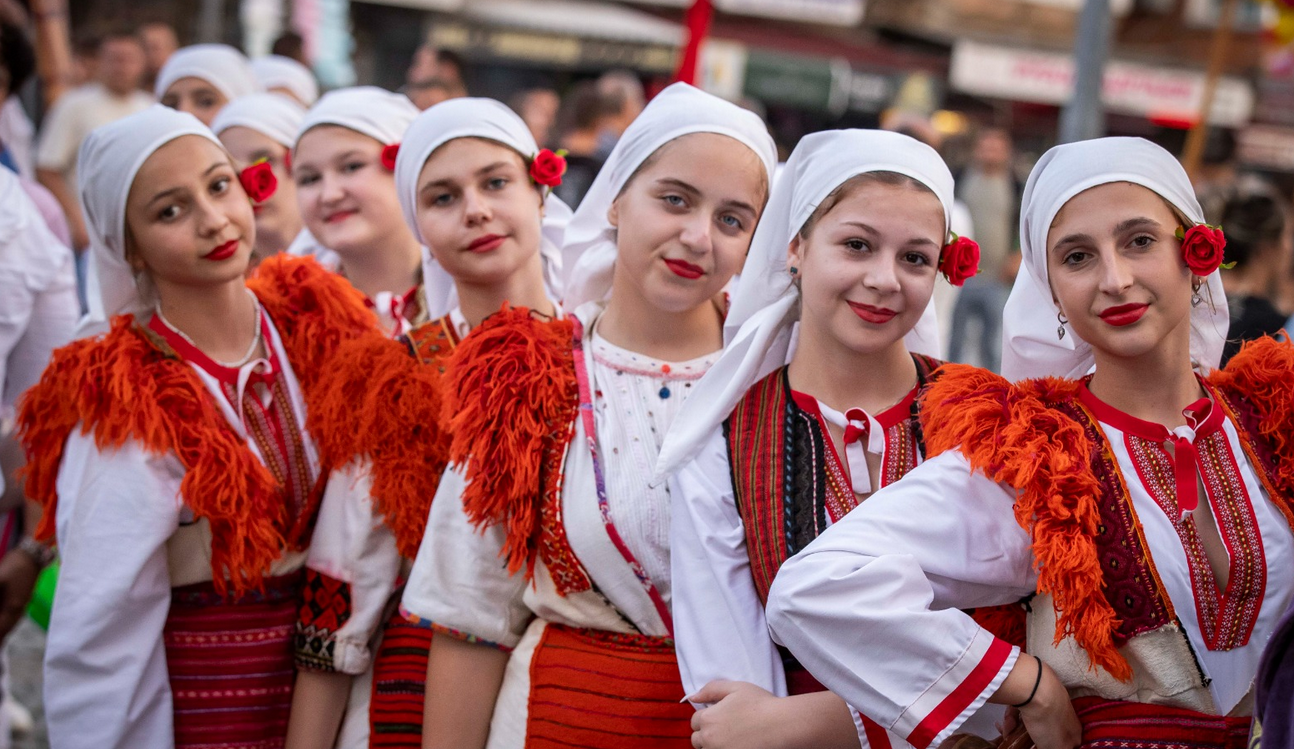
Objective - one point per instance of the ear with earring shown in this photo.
(1196, 299)
(795, 276)
(1060, 329)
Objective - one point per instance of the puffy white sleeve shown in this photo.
(719, 626)
(871, 606)
(351, 572)
(106, 683)
(460, 584)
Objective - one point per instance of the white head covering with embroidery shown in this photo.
(108, 161)
(1030, 345)
(277, 71)
(589, 251)
(276, 117)
(491, 120)
(760, 329)
(218, 64)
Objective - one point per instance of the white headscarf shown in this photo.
(477, 118)
(218, 64)
(589, 252)
(369, 110)
(1030, 346)
(107, 163)
(275, 117)
(761, 324)
(277, 71)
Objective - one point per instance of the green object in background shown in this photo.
(42, 598)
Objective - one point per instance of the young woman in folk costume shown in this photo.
(201, 79)
(474, 189)
(546, 571)
(1141, 498)
(171, 454)
(261, 128)
(344, 163)
(811, 408)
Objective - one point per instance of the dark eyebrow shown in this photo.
(261, 154)
(173, 190)
(450, 180)
(1134, 223)
(740, 205)
(913, 241)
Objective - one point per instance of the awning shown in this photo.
(562, 33)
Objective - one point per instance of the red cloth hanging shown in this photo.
(698, 27)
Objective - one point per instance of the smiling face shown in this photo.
(188, 221)
(1117, 272)
(867, 264)
(478, 211)
(278, 221)
(685, 220)
(347, 198)
(195, 96)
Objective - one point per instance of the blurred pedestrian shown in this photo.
(113, 95)
(17, 133)
(203, 78)
(538, 108)
(623, 99)
(581, 119)
(160, 42)
(990, 190)
(1255, 229)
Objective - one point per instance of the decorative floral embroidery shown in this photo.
(325, 609)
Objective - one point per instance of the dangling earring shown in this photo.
(1060, 329)
(1195, 297)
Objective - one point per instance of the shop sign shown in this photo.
(1169, 94)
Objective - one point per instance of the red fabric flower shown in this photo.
(1202, 248)
(259, 181)
(959, 260)
(547, 168)
(388, 156)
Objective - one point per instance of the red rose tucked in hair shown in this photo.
(388, 156)
(259, 181)
(1202, 247)
(959, 260)
(547, 168)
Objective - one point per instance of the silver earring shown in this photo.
(1060, 329)
(1196, 298)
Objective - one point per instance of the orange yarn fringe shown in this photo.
(377, 402)
(122, 387)
(1011, 434)
(511, 394)
(1263, 373)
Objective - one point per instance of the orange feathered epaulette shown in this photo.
(379, 403)
(122, 386)
(510, 396)
(1262, 372)
(1014, 436)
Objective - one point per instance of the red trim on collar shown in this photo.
(1204, 416)
(191, 353)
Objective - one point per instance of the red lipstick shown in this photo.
(339, 216)
(874, 315)
(1124, 314)
(223, 252)
(685, 269)
(486, 243)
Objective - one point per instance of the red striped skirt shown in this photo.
(1109, 724)
(230, 665)
(591, 688)
(399, 685)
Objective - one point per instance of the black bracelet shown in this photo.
(1036, 682)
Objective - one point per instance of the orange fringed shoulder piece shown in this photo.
(313, 310)
(1014, 435)
(1263, 374)
(510, 396)
(121, 387)
(377, 402)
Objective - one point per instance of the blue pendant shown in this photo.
(664, 392)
